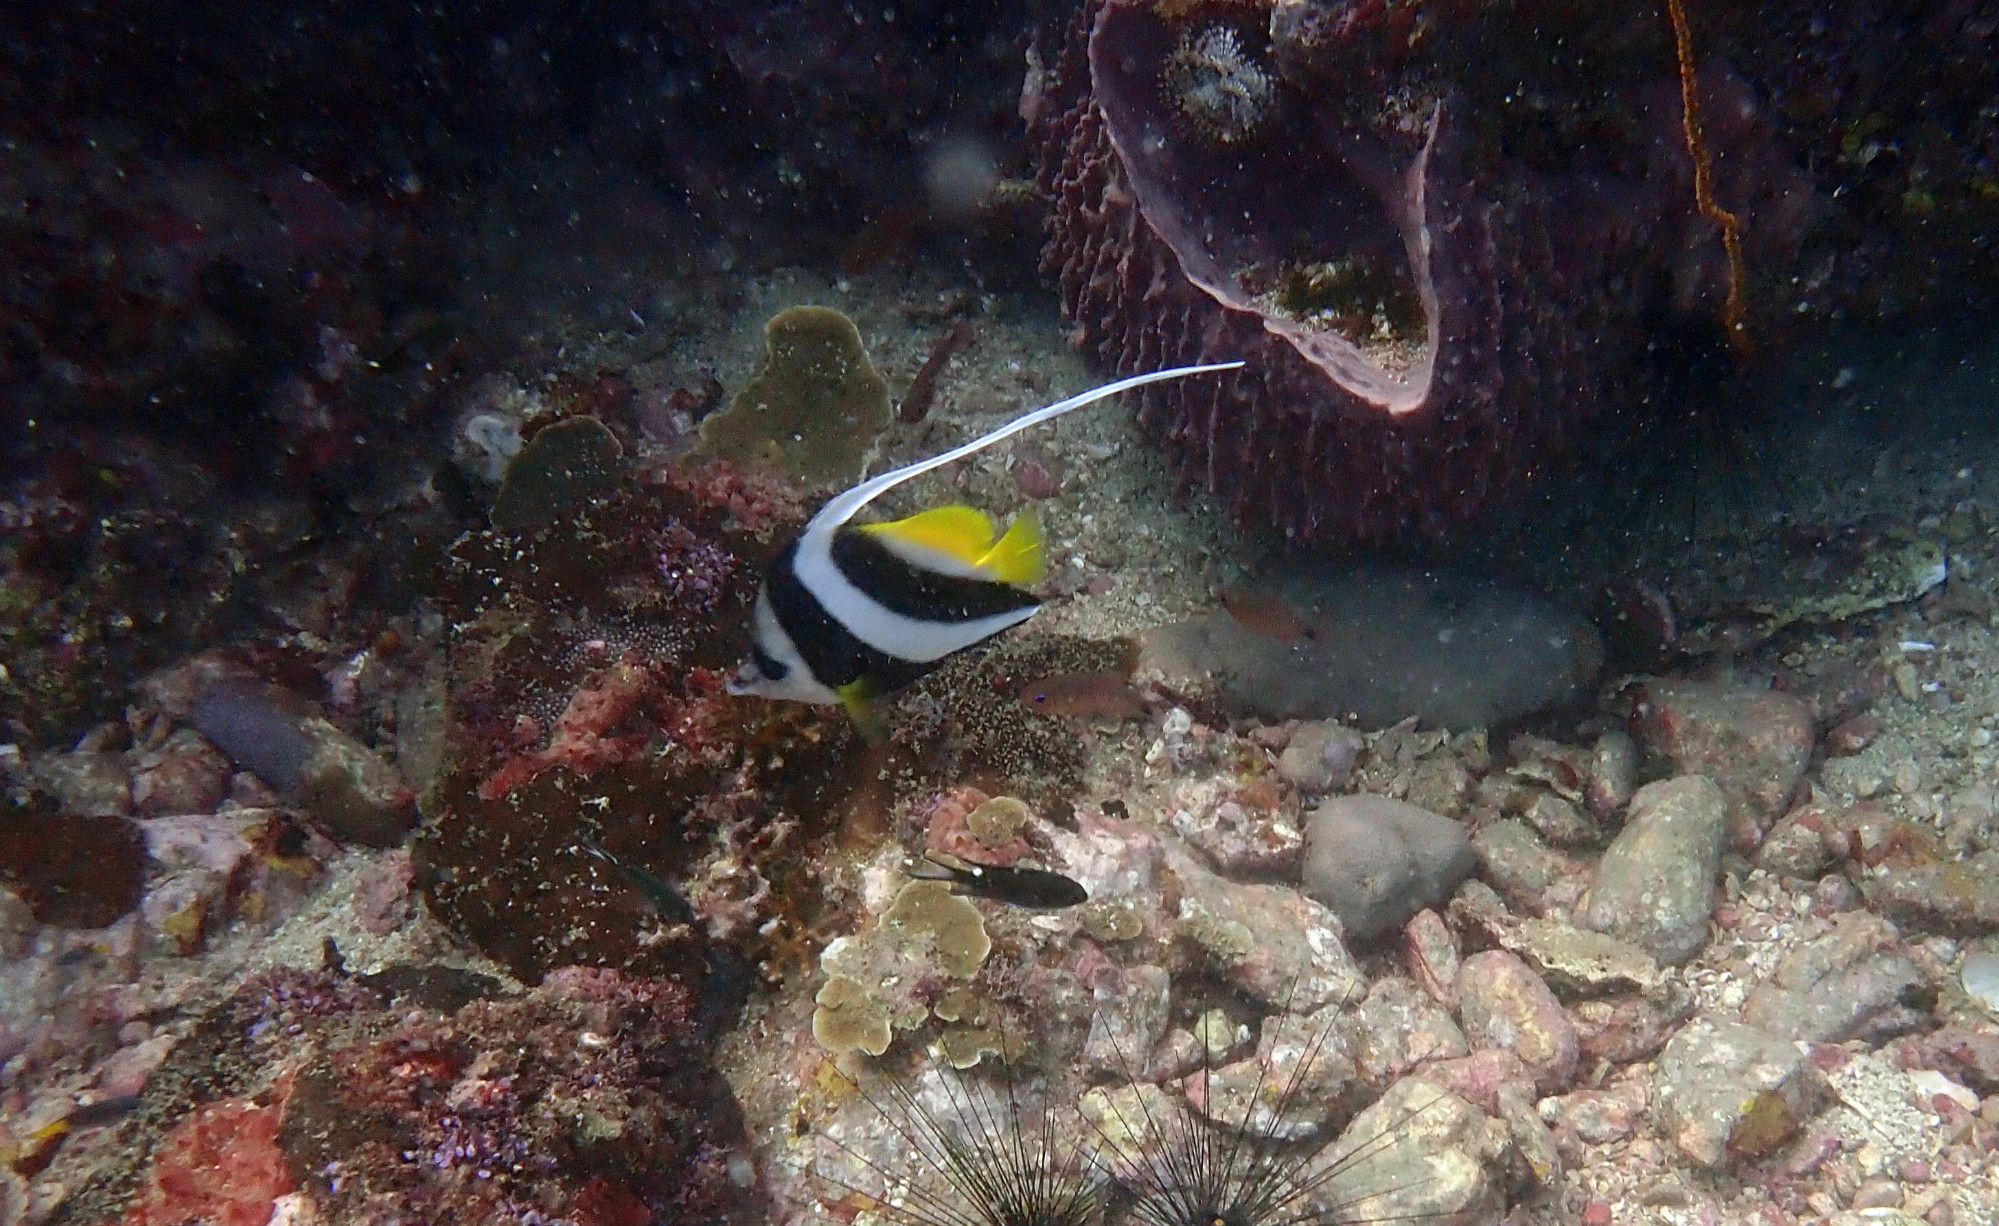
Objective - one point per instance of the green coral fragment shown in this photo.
(565, 469)
(996, 822)
(816, 407)
(965, 1047)
(1112, 921)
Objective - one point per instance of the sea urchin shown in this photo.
(1170, 1166)
(978, 1158)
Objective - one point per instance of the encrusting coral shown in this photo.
(881, 980)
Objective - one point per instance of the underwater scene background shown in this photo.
(1517, 745)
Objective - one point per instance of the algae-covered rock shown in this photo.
(1899, 568)
(1419, 1154)
(564, 469)
(1654, 886)
(1730, 1092)
(814, 409)
(1376, 860)
(1374, 646)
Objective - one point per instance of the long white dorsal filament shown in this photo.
(843, 506)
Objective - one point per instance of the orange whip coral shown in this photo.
(1733, 312)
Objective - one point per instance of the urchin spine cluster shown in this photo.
(1217, 86)
(996, 1168)
(988, 1166)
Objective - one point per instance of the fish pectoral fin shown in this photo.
(859, 699)
(1021, 556)
(961, 532)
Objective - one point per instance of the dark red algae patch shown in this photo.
(588, 713)
(424, 1094)
(74, 872)
(590, 1099)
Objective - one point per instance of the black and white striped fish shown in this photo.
(851, 611)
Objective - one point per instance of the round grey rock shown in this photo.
(1375, 861)
(1320, 756)
(1980, 975)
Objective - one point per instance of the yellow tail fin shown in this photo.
(1020, 557)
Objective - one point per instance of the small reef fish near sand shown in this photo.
(1265, 614)
(1107, 693)
(848, 612)
(1036, 889)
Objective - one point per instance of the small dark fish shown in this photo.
(1089, 694)
(31, 1155)
(1265, 614)
(103, 1111)
(1036, 889)
(669, 902)
(727, 978)
(923, 387)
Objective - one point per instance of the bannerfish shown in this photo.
(851, 611)
(1037, 889)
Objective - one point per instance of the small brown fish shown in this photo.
(1036, 889)
(1106, 693)
(886, 236)
(1265, 614)
(923, 387)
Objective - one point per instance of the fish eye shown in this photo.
(771, 668)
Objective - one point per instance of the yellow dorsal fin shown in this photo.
(964, 533)
(1018, 557)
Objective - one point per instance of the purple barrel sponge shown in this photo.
(1421, 336)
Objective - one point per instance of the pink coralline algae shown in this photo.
(589, 1100)
(584, 736)
(587, 689)
(221, 1165)
(1426, 317)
